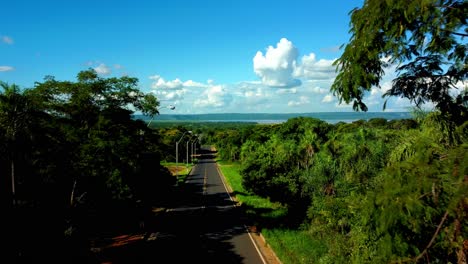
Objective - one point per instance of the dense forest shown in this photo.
(76, 164)
(372, 191)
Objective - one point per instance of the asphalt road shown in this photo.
(202, 226)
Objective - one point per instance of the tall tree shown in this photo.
(425, 38)
(95, 115)
(15, 116)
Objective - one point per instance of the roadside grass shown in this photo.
(179, 170)
(290, 245)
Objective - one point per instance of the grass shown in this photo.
(181, 170)
(256, 206)
(291, 246)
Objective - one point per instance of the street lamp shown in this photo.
(187, 150)
(194, 142)
(177, 150)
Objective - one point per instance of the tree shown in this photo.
(425, 38)
(15, 115)
(95, 115)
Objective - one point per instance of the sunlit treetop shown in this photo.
(426, 39)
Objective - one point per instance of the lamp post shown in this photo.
(186, 150)
(177, 150)
(194, 142)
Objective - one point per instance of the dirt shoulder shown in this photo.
(266, 251)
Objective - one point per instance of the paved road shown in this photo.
(203, 226)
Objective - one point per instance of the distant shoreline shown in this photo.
(265, 118)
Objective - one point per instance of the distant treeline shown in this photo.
(331, 117)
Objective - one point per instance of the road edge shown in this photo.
(265, 249)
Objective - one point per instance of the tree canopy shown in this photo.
(426, 39)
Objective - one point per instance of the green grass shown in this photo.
(256, 205)
(295, 246)
(291, 246)
(182, 170)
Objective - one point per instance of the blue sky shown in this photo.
(201, 56)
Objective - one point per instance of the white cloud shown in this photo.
(312, 69)
(171, 95)
(328, 98)
(214, 97)
(318, 90)
(255, 97)
(191, 83)
(6, 68)
(257, 93)
(276, 67)
(287, 91)
(302, 101)
(7, 40)
(160, 83)
(102, 69)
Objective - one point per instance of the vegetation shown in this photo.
(76, 161)
(363, 192)
(360, 192)
(425, 39)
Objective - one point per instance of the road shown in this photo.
(202, 226)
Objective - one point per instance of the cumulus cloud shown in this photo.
(317, 90)
(177, 90)
(254, 93)
(276, 67)
(191, 83)
(302, 101)
(8, 40)
(287, 91)
(171, 95)
(255, 98)
(328, 98)
(215, 96)
(160, 83)
(102, 69)
(279, 67)
(312, 69)
(6, 68)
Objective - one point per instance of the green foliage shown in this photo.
(426, 39)
(276, 162)
(408, 204)
(73, 152)
(370, 191)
